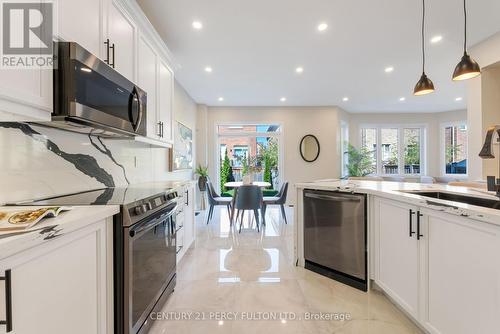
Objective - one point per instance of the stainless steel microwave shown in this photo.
(92, 97)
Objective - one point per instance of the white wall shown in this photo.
(485, 53)
(431, 121)
(297, 122)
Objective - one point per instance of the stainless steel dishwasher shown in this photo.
(335, 236)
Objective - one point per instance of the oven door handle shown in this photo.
(135, 230)
(135, 95)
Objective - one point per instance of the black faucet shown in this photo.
(487, 153)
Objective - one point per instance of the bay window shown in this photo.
(400, 151)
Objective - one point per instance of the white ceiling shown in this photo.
(254, 47)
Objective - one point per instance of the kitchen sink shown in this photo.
(471, 200)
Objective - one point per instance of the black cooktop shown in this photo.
(105, 196)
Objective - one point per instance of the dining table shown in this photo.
(235, 185)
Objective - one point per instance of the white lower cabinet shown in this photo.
(185, 218)
(447, 279)
(189, 224)
(398, 254)
(461, 275)
(62, 285)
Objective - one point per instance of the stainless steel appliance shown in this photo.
(335, 236)
(144, 249)
(91, 97)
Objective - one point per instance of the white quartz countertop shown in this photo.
(53, 228)
(393, 190)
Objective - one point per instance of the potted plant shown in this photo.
(202, 172)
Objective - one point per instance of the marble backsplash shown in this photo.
(38, 161)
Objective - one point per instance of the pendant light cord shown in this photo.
(423, 36)
(465, 28)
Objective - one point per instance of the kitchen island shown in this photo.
(437, 260)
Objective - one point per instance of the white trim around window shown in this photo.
(400, 128)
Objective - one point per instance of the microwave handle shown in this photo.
(135, 94)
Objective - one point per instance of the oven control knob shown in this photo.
(139, 210)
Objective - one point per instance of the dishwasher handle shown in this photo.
(343, 198)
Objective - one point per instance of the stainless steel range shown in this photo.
(144, 249)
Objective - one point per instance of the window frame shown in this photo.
(344, 160)
(400, 127)
(442, 151)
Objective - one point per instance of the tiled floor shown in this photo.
(250, 277)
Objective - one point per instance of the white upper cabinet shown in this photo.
(165, 100)
(25, 95)
(81, 24)
(147, 81)
(398, 253)
(122, 36)
(110, 30)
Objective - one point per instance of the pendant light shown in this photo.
(424, 85)
(467, 68)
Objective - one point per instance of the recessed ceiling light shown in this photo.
(322, 26)
(402, 99)
(436, 39)
(283, 99)
(197, 25)
(221, 322)
(389, 69)
(299, 69)
(458, 99)
(283, 321)
(221, 99)
(208, 69)
(345, 99)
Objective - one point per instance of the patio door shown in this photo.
(249, 149)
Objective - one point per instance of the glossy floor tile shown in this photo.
(231, 282)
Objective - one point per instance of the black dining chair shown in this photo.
(215, 199)
(248, 197)
(279, 199)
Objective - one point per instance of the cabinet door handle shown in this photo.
(8, 301)
(418, 225)
(112, 47)
(161, 129)
(187, 197)
(107, 51)
(411, 222)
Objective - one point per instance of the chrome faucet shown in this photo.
(487, 153)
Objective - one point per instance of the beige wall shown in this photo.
(296, 122)
(485, 53)
(490, 106)
(431, 121)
